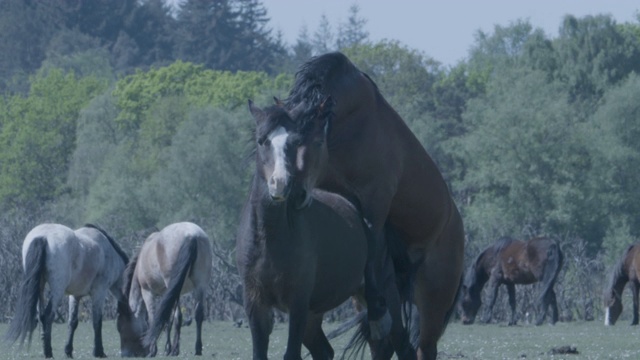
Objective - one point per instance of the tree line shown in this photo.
(132, 114)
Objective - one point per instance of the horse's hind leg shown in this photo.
(199, 314)
(177, 321)
(511, 291)
(315, 340)
(73, 324)
(553, 302)
(437, 284)
(97, 302)
(46, 318)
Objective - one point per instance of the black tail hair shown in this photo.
(25, 319)
(186, 257)
(555, 259)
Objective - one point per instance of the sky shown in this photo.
(443, 30)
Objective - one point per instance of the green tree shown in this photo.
(352, 32)
(38, 137)
(226, 35)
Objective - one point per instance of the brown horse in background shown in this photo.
(512, 262)
(377, 163)
(626, 271)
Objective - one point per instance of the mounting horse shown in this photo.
(299, 249)
(377, 163)
(83, 262)
(511, 262)
(171, 262)
(626, 271)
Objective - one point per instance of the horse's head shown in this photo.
(132, 329)
(612, 306)
(470, 291)
(469, 303)
(290, 155)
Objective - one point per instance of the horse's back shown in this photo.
(159, 254)
(101, 255)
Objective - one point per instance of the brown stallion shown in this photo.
(626, 271)
(511, 262)
(377, 163)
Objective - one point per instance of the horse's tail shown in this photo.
(555, 259)
(186, 258)
(25, 318)
(356, 345)
(347, 325)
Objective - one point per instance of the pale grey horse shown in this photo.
(83, 262)
(171, 262)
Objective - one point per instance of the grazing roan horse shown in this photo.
(301, 250)
(171, 262)
(626, 271)
(83, 262)
(512, 262)
(377, 163)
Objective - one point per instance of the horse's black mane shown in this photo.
(127, 275)
(500, 244)
(113, 243)
(616, 273)
(308, 87)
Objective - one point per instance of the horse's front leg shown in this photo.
(633, 285)
(96, 313)
(494, 286)
(511, 291)
(261, 324)
(298, 315)
(73, 325)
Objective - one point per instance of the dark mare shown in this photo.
(626, 271)
(171, 262)
(377, 163)
(299, 249)
(512, 262)
(83, 262)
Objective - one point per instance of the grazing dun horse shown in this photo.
(512, 262)
(377, 163)
(626, 271)
(171, 262)
(299, 249)
(83, 262)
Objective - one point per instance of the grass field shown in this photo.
(222, 340)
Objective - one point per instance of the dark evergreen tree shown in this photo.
(226, 35)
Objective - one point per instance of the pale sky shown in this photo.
(443, 30)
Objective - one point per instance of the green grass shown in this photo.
(222, 340)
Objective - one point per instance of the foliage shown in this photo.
(38, 137)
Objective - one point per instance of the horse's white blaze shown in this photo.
(607, 320)
(280, 177)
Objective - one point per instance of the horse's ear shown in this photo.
(255, 111)
(278, 101)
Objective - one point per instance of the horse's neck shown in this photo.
(272, 220)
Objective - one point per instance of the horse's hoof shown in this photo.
(380, 328)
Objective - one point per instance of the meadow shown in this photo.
(223, 340)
